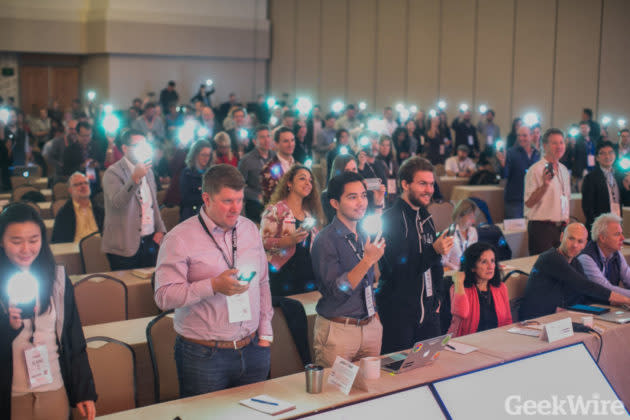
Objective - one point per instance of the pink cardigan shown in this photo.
(465, 309)
(276, 222)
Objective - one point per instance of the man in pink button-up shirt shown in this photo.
(212, 270)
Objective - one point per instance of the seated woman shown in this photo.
(50, 321)
(288, 229)
(465, 233)
(197, 161)
(479, 300)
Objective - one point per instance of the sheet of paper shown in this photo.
(276, 406)
(557, 330)
(524, 331)
(343, 374)
(460, 348)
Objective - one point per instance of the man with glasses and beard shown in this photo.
(411, 270)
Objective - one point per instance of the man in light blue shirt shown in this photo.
(602, 260)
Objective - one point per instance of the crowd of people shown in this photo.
(255, 223)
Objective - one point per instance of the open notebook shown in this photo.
(273, 409)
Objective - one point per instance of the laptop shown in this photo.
(617, 316)
(423, 353)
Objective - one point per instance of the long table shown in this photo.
(494, 347)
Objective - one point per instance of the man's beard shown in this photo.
(415, 201)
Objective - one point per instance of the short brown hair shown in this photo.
(222, 175)
(412, 165)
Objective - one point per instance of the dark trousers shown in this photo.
(402, 331)
(542, 236)
(146, 256)
(253, 210)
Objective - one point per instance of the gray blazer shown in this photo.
(123, 210)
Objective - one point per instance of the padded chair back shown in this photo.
(161, 339)
(57, 205)
(60, 191)
(19, 191)
(170, 216)
(515, 281)
(161, 197)
(113, 366)
(285, 358)
(440, 170)
(92, 257)
(442, 214)
(17, 181)
(92, 307)
(34, 205)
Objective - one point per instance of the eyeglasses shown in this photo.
(79, 184)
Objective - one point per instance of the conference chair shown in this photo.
(60, 191)
(161, 340)
(161, 197)
(34, 205)
(440, 170)
(441, 214)
(101, 298)
(57, 205)
(19, 191)
(515, 281)
(17, 181)
(170, 216)
(92, 257)
(286, 358)
(113, 366)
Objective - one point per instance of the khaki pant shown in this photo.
(50, 405)
(332, 339)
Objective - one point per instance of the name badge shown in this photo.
(422, 140)
(239, 309)
(391, 186)
(442, 149)
(428, 283)
(369, 301)
(489, 140)
(470, 140)
(615, 208)
(590, 160)
(557, 330)
(38, 366)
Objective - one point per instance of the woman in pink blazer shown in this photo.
(288, 227)
(479, 300)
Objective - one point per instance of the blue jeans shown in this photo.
(202, 369)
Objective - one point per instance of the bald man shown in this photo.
(557, 278)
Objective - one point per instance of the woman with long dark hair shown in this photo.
(288, 226)
(479, 300)
(46, 328)
(511, 137)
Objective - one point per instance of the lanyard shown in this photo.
(357, 251)
(233, 264)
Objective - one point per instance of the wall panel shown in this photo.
(493, 82)
(576, 60)
(282, 67)
(614, 89)
(423, 43)
(334, 39)
(534, 58)
(362, 35)
(307, 51)
(457, 52)
(391, 52)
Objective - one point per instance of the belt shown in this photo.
(351, 321)
(235, 344)
(550, 222)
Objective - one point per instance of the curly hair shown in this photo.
(469, 261)
(312, 202)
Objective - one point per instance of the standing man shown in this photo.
(594, 128)
(411, 286)
(514, 166)
(584, 154)
(133, 226)
(251, 166)
(279, 164)
(150, 124)
(343, 263)
(325, 138)
(601, 188)
(466, 133)
(488, 130)
(547, 195)
(80, 216)
(223, 325)
(168, 96)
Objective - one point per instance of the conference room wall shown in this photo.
(514, 55)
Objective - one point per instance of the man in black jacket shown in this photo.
(79, 216)
(411, 281)
(601, 189)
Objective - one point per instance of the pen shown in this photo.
(450, 347)
(263, 401)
